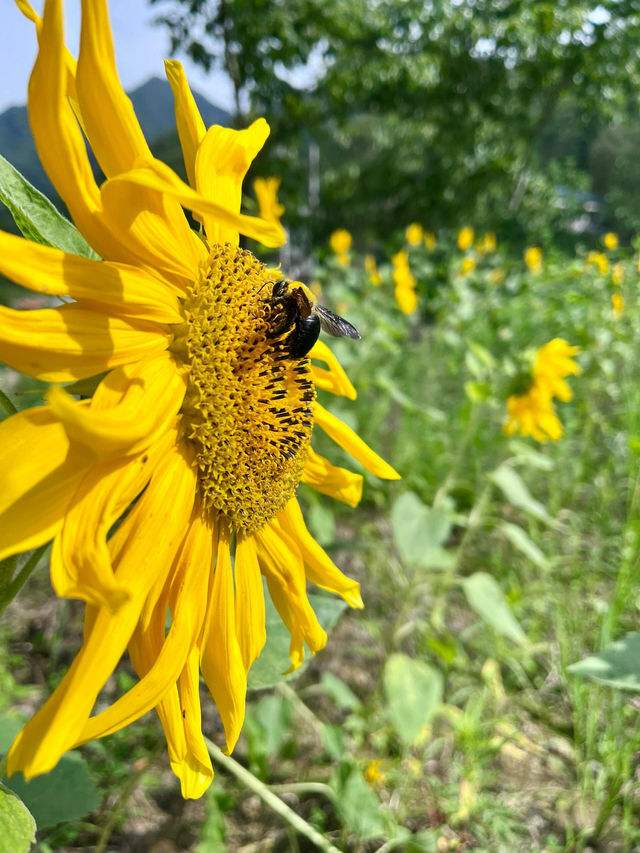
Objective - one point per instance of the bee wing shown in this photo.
(334, 325)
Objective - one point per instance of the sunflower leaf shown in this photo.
(18, 826)
(616, 666)
(36, 216)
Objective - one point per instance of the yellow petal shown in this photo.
(67, 343)
(159, 660)
(156, 176)
(353, 444)
(151, 392)
(118, 288)
(111, 125)
(152, 533)
(40, 474)
(320, 570)
(335, 379)
(223, 159)
(195, 771)
(191, 128)
(249, 605)
(281, 563)
(220, 657)
(81, 565)
(330, 480)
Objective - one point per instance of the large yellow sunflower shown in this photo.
(197, 433)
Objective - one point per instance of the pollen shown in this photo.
(249, 405)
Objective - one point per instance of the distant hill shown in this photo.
(153, 103)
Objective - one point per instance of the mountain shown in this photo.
(153, 103)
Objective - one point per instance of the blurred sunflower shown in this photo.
(198, 431)
(371, 269)
(610, 240)
(465, 238)
(340, 242)
(533, 259)
(530, 408)
(598, 259)
(266, 190)
(487, 243)
(617, 303)
(430, 240)
(617, 274)
(405, 282)
(414, 234)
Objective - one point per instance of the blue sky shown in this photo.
(140, 49)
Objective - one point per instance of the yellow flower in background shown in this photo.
(617, 274)
(531, 411)
(497, 276)
(617, 303)
(465, 238)
(610, 240)
(430, 240)
(316, 288)
(600, 260)
(340, 242)
(407, 298)
(414, 234)
(371, 269)
(374, 774)
(266, 190)
(405, 282)
(199, 428)
(467, 266)
(487, 243)
(533, 258)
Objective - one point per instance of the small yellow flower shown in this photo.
(531, 412)
(407, 299)
(373, 774)
(430, 240)
(266, 190)
(498, 276)
(371, 268)
(465, 238)
(414, 234)
(487, 244)
(340, 242)
(405, 282)
(617, 274)
(533, 259)
(468, 265)
(600, 260)
(610, 240)
(617, 302)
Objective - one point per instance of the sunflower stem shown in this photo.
(6, 404)
(269, 798)
(13, 588)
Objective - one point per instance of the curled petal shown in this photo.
(334, 379)
(191, 128)
(338, 483)
(353, 444)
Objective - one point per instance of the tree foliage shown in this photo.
(431, 111)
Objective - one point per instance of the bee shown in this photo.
(301, 309)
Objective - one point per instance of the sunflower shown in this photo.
(530, 410)
(266, 190)
(172, 487)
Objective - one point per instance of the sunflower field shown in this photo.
(320, 491)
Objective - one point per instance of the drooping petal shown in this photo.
(222, 160)
(70, 342)
(155, 175)
(159, 660)
(334, 379)
(220, 656)
(151, 392)
(281, 563)
(118, 288)
(152, 533)
(41, 471)
(328, 479)
(249, 605)
(81, 565)
(319, 569)
(191, 128)
(353, 444)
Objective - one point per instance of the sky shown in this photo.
(140, 50)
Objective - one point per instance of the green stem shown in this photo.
(9, 593)
(461, 451)
(6, 404)
(269, 798)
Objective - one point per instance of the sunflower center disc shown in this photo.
(248, 410)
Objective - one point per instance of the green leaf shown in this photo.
(413, 690)
(530, 456)
(9, 728)
(356, 803)
(36, 216)
(515, 491)
(487, 599)
(322, 523)
(477, 392)
(339, 692)
(419, 532)
(519, 538)
(616, 666)
(17, 826)
(274, 661)
(65, 793)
